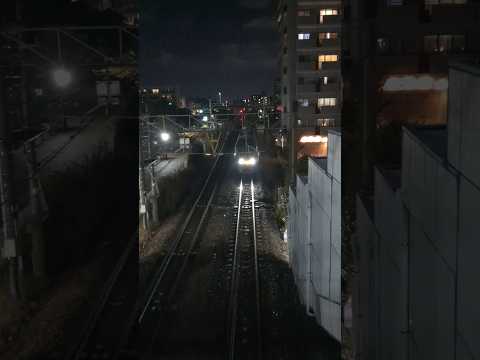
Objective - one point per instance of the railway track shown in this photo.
(244, 319)
(98, 339)
(160, 301)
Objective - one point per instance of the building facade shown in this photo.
(314, 237)
(416, 289)
(395, 64)
(310, 55)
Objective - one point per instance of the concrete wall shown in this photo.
(464, 120)
(314, 236)
(417, 249)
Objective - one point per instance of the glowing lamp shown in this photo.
(313, 139)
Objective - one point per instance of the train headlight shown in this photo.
(248, 162)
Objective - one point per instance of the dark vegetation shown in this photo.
(175, 189)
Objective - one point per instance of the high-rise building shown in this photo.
(311, 81)
(395, 65)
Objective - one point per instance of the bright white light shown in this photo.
(155, 143)
(205, 118)
(165, 136)
(313, 139)
(62, 77)
(200, 111)
(248, 162)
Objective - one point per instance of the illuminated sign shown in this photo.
(313, 139)
(414, 83)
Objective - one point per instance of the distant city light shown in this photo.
(165, 136)
(313, 139)
(205, 118)
(62, 77)
(200, 111)
(155, 91)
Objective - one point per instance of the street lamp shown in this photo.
(62, 77)
(165, 136)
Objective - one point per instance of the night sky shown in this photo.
(206, 45)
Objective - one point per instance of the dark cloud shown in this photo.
(255, 4)
(264, 22)
(200, 48)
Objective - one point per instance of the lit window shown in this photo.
(155, 91)
(325, 80)
(303, 102)
(325, 122)
(303, 13)
(328, 58)
(327, 102)
(444, 43)
(304, 36)
(327, 12)
(328, 35)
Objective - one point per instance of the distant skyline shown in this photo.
(204, 47)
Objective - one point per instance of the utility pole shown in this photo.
(154, 195)
(9, 246)
(24, 89)
(141, 187)
(210, 108)
(36, 226)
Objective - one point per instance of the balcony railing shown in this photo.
(317, 88)
(319, 20)
(328, 43)
(315, 66)
(329, 19)
(318, 43)
(330, 65)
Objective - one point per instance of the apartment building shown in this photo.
(395, 64)
(311, 81)
(416, 289)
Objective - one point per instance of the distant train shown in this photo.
(246, 152)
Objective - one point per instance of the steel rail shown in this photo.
(173, 288)
(234, 290)
(257, 276)
(234, 287)
(92, 322)
(142, 304)
(173, 247)
(192, 244)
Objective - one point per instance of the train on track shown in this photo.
(246, 152)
